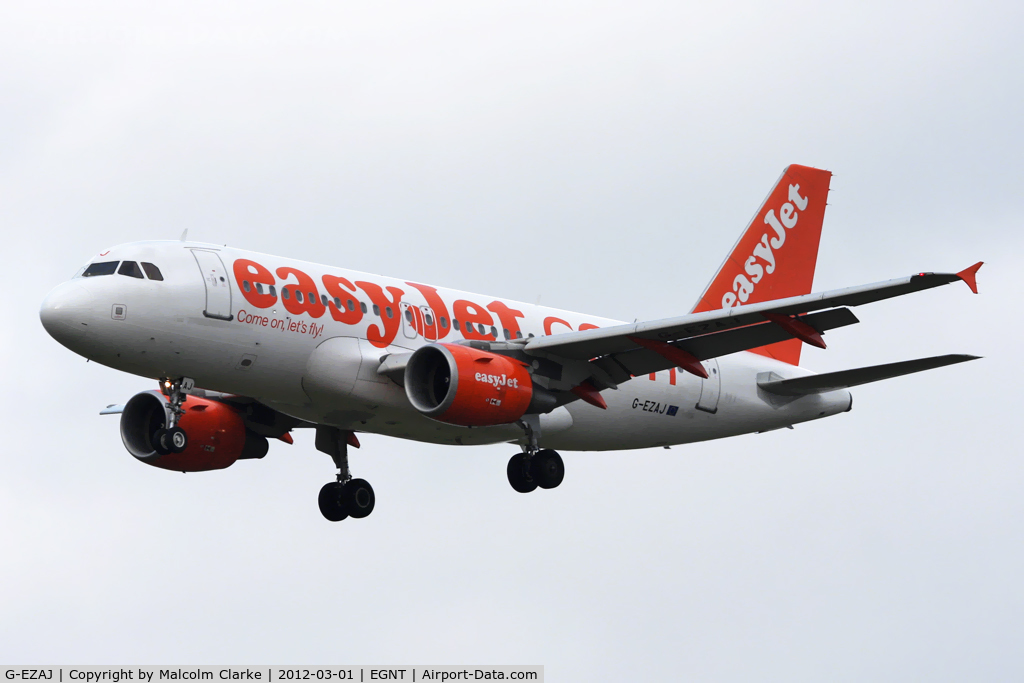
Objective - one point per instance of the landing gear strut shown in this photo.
(346, 497)
(172, 438)
(534, 467)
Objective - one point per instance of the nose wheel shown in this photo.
(346, 497)
(171, 438)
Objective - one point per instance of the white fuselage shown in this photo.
(319, 363)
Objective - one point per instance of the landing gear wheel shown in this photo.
(157, 441)
(548, 468)
(177, 439)
(358, 498)
(165, 441)
(520, 474)
(330, 500)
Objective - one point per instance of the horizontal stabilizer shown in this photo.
(831, 381)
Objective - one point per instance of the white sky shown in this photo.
(604, 156)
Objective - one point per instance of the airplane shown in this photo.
(248, 347)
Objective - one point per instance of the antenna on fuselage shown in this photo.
(184, 234)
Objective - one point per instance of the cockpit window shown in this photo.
(131, 269)
(152, 272)
(101, 268)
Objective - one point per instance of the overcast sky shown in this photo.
(603, 157)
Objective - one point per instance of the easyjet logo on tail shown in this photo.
(776, 254)
(764, 250)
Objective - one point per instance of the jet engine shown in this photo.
(217, 435)
(470, 387)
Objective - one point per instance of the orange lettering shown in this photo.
(301, 297)
(440, 312)
(253, 273)
(507, 316)
(349, 313)
(551, 320)
(382, 335)
(469, 313)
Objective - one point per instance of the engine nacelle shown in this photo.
(469, 387)
(217, 436)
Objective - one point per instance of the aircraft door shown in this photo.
(218, 284)
(710, 388)
(428, 323)
(408, 320)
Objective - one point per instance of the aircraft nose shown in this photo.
(65, 310)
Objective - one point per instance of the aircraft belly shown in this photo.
(645, 414)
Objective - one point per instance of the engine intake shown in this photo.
(473, 388)
(217, 435)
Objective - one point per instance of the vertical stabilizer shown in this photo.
(775, 256)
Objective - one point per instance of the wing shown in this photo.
(614, 354)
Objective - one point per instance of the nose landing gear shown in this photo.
(172, 438)
(346, 497)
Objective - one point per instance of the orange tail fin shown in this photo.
(775, 256)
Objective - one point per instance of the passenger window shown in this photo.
(494, 332)
(273, 290)
(259, 288)
(131, 269)
(376, 310)
(337, 303)
(362, 307)
(245, 286)
(519, 334)
(444, 323)
(429, 319)
(352, 306)
(324, 299)
(152, 272)
(408, 314)
(286, 293)
(480, 327)
(102, 268)
(312, 298)
(391, 314)
(455, 323)
(298, 296)
(505, 332)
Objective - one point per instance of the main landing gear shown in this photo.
(171, 438)
(543, 469)
(534, 468)
(346, 497)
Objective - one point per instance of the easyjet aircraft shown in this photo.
(248, 347)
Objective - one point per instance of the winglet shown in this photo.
(968, 275)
